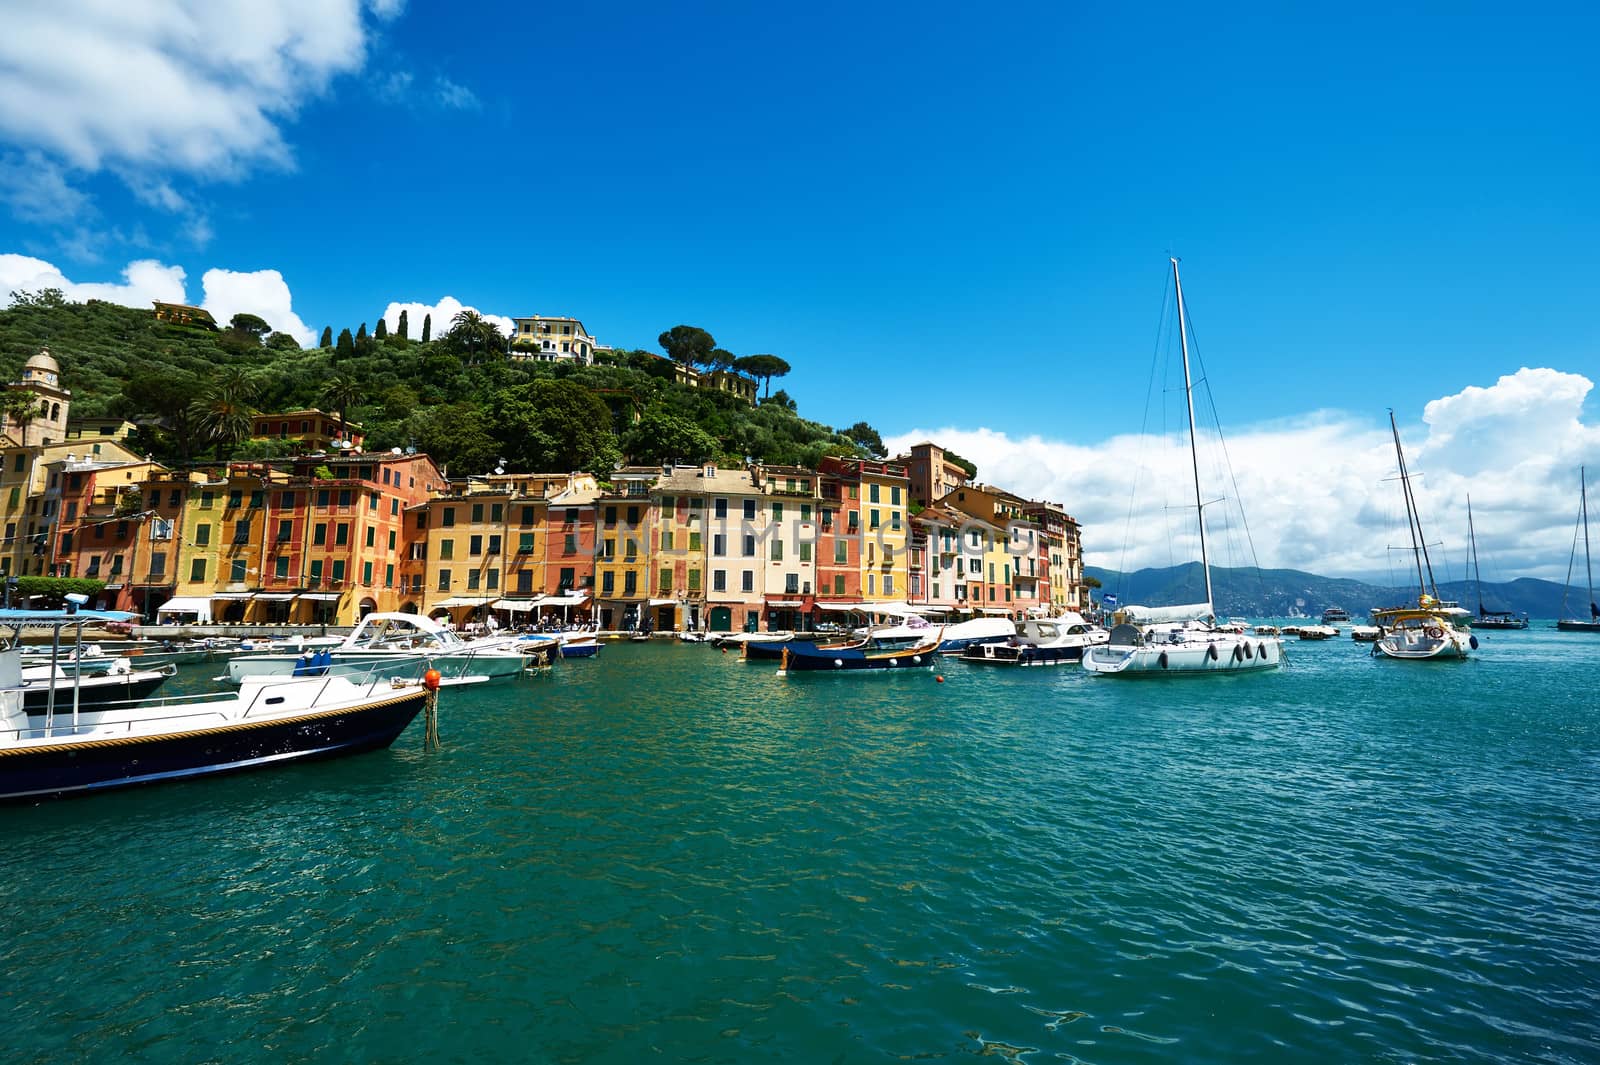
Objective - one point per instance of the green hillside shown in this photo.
(457, 397)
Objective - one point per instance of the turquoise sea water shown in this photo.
(665, 854)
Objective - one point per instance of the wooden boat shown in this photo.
(1427, 630)
(1182, 639)
(1365, 633)
(72, 749)
(797, 657)
(1569, 621)
(1318, 632)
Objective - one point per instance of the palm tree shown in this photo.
(475, 332)
(22, 408)
(225, 412)
(341, 393)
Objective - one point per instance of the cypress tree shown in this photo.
(327, 337)
(427, 327)
(404, 329)
(380, 330)
(346, 346)
(361, 334)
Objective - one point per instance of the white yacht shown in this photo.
(388, 645)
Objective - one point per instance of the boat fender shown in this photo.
(1434, 632)
(838, 663)
(916, 659)
(1245, 647)
(1211, 651)
(1162, 661)
(1472, 641)
(1263, 650)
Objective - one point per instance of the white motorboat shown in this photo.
(1040, 642)
(386, 645)
(69, 747)
(1157, 641)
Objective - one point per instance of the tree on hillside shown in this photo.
(427, 327)
(763, 368)
(456, 435)
(781, 400)
(341, 392)
(721, 359)
(346, 348)
(403, 329)
(250, 324)
(969, 466)
(662, 436)
(554, 425)
(282, 342)
(380, 330)
(868, 438)
(224, 413)
(327, 337)
(171, 397)
(688, 345)
(475, 334)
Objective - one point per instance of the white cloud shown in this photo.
(157, 88)
(143, 281)
(453, 96)
(442, 313)
(1320, 492)
(261, 292)
(227, 292)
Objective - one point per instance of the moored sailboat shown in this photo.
(1488, 619)
(1568, 622)
(1427, 630)
(1182, 639)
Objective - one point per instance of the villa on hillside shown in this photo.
(183, 314)
(316, 429)
(552, 338)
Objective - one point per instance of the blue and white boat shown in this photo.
(72, 748)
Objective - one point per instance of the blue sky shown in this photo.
(948, 218)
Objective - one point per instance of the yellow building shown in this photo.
(551, 338)
(625, 547)
(482, 546)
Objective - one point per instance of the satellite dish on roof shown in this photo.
(394, 451)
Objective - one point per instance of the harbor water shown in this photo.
(667, 854)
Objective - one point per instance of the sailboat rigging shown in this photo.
(1183, 639)
(1488, 619)
(1568, 623)
(1430, 629)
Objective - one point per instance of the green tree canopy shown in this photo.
(687, 344)
(403, 329)
(554, 425)
(763, 368)
(456, 435)
(868, 438)
(663, 436)
(327, 337)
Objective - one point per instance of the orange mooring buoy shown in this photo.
(940, 679)
(431, 679)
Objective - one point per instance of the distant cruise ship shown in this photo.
(1335, 613)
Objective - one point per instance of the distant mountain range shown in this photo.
(1277, 593)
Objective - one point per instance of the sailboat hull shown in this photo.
(1224, 654)
(1578, 626)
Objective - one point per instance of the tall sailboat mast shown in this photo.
(1583, 503)
(1194, 453)
(1477, 574)
(1419, 546)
